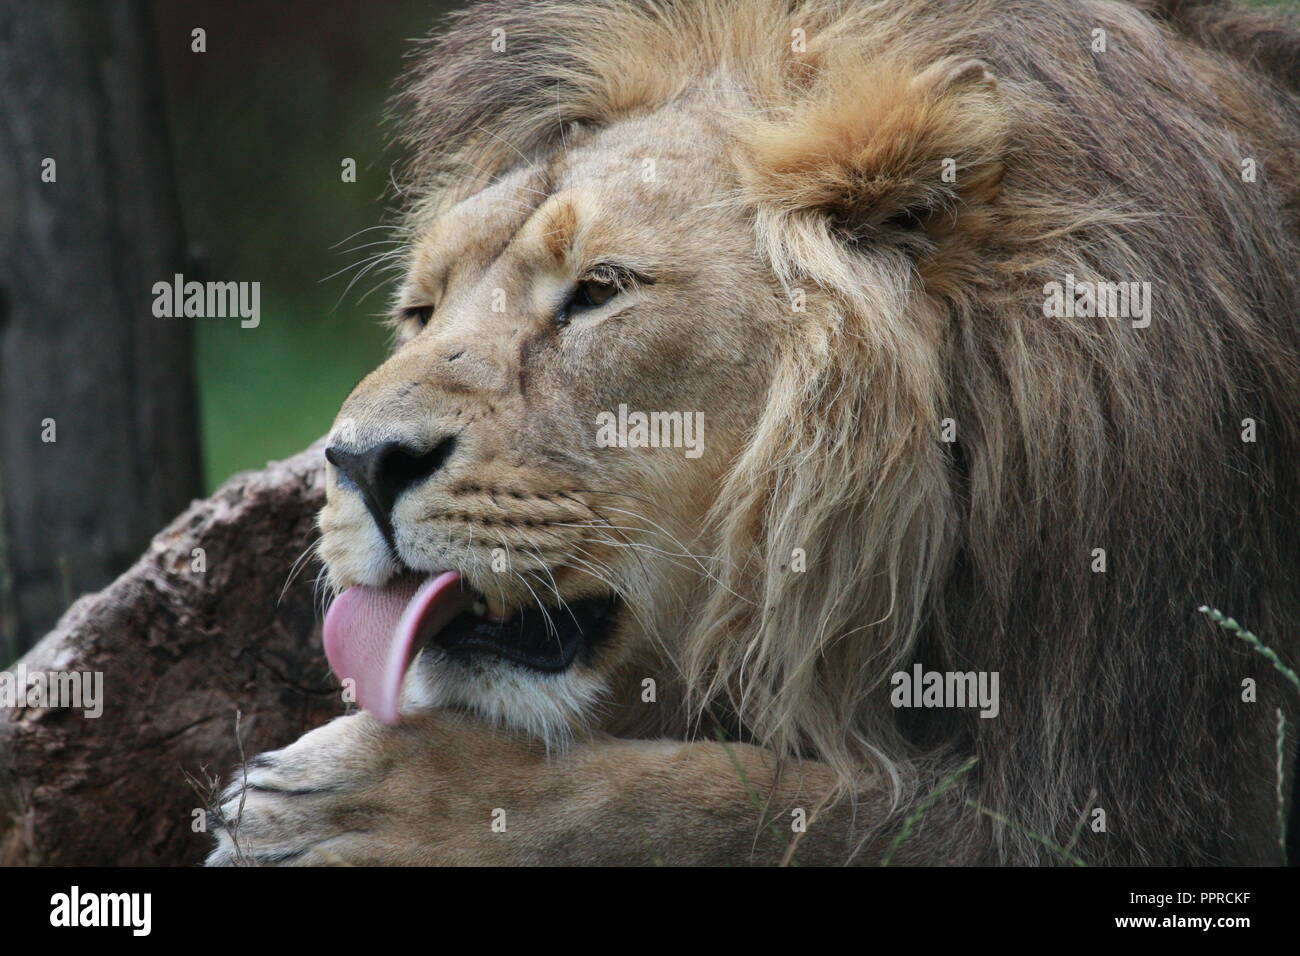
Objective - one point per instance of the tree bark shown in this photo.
(182, 651)
(82, 358)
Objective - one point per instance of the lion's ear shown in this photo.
(888, 150)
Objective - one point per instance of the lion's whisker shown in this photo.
(541, 605)
(396, 229)
(554, 586)
(713, 577)
(616, 527)
(296, 568)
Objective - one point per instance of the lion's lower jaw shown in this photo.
(548, 706)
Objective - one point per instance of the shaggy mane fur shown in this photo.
(925, 303)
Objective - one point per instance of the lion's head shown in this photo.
(676, 259)
(533, 309)
(810, 243)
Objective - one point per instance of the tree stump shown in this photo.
(201, 629)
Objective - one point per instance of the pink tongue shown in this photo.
(372, 634)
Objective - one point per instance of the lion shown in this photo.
(756, 361)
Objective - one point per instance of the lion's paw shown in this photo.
(303, 805)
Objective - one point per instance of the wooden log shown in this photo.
(197, 631)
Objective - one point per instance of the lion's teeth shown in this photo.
(480, 608)
(498, 612)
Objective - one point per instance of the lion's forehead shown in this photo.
(639, 174)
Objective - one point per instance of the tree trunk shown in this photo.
(98, 442)
(185, 640)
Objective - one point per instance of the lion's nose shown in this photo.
(382, 472)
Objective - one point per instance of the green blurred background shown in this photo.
(260, 125)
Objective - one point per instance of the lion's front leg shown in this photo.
(355, 792)
(443, 788)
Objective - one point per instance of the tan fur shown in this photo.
(812, 173)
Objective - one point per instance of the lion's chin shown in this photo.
(548, 705)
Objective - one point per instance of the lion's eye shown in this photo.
(588, 294)
(420, 314)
